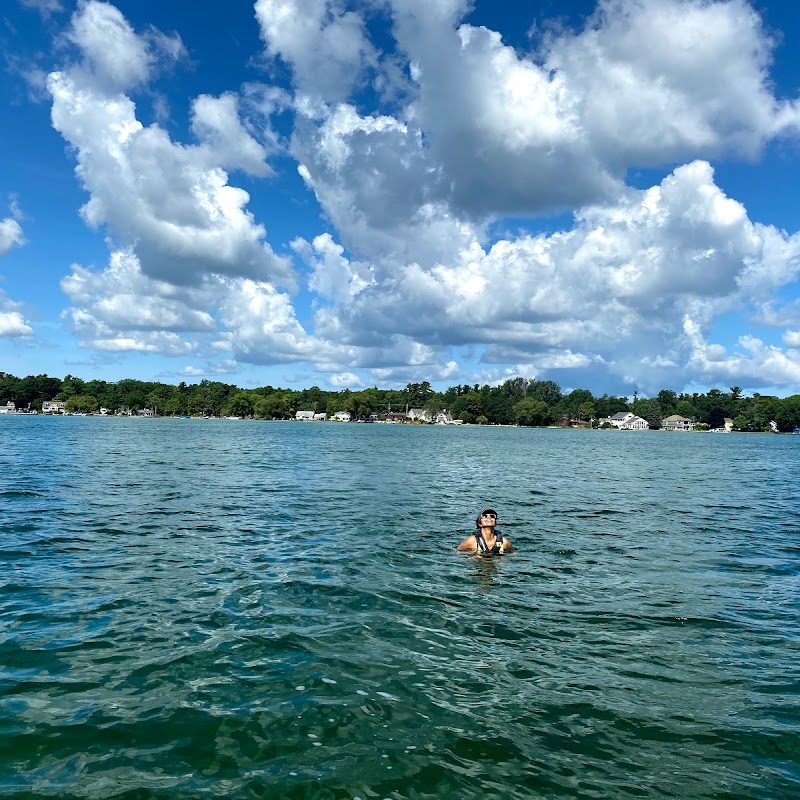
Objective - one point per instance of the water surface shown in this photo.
(209, 608)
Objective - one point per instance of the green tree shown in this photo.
(548, 392)
(468, 407)
(587, 411)
(765, 409)
(530, 411)
(272, 407)
(240, 405)
(716, 417)
(499, 406)
(741, 423)
(654, 415)
(788, 413)
(82, 404)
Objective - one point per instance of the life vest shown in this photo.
(497, 549)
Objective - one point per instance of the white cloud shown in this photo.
(755, 363)
(412, 189)
(121, 298)
(610, 293)
(345, 380)
(46, 8)
(12, 322)
(171, 203)
(325, 45)
(373, 177)
(113, 54)
(11, 235)
(792, 339)
(333, 276)
(516, 133)
(216, 123)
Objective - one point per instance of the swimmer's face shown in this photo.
(488, 518)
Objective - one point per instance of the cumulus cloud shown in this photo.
(410, 270)
(345, 380)
(120, 309)
(333, 275)
(613, 290)
(122, 298)
(754, 362)
(521, 133)
(11, 235)
(325, 45)
(12, 321)
(113, 55)
(172, 204)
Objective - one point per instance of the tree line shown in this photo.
(520, 401)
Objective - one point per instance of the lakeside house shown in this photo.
(569, 422)
(305, 416)
(675, 422)
(341, 416)
(395, 416)
(320, 417)
(418, 415)
(8, 408)
(628, 421)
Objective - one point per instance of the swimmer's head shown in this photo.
(487, 517)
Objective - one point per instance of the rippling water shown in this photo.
(196, 608)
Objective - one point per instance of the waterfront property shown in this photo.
(627, 421)
(341, 416)
(304, 415)
(8, 408)
(675, 422)
(54, 407)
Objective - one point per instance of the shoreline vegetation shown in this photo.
(516, 402)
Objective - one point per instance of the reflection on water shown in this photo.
(200, 608)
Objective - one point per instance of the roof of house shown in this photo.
(675, 418)
(620, 415)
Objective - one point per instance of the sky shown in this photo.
(350, 194)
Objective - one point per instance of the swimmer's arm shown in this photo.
(507, 548)
(468, 544)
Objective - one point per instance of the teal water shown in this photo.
(195, 608)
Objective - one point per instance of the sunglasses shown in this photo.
(490, 515)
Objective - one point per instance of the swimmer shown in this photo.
(487, 540)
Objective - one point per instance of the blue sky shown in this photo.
(298, 192)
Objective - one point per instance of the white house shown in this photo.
(675, 422)
(635, 424)
(320, 417)
(619, 418)
(628, 421)
(304, 415)
(341, 416)
(418, 415)
(54, 407)
(8, 408)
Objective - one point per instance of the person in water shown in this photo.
(487, 540)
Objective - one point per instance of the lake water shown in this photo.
(208, 608)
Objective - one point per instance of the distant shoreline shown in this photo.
(383, 422)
